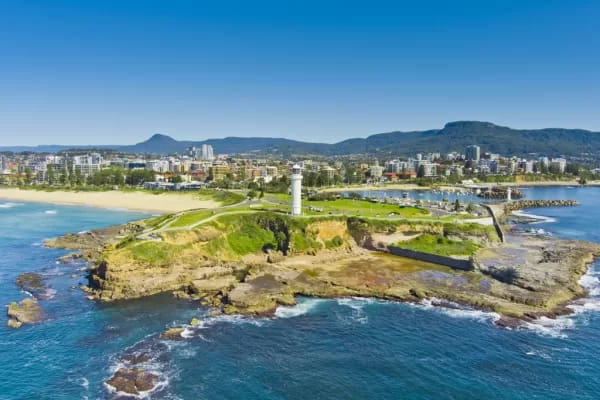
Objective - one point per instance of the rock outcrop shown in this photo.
(133, 381)
(27, 311)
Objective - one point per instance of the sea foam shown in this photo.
(303, 307)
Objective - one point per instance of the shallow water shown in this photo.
(346, 348)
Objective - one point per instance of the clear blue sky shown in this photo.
(115, 72)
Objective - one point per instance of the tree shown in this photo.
(421, 171)
(50, 174)
(456, 205)
(28, 175)
(252, 194)
(470, 208)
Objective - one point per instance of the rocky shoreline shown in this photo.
(527, 278)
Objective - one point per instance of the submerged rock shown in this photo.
(33, 283)
(133, 381)
(27, 311)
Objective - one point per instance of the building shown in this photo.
(473, 153)
(427, 168)
(296, 189)
(376, 172)
(207, 152)
(87, 164)
(558, 165)
(218, 172)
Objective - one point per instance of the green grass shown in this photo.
(471, 229)
(251, 238)
(225, 197)
(190, 218)
(154, 253)
(366, 208)
(439, 245)
(156, 221)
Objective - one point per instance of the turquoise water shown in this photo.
(320, 349)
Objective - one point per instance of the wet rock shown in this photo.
(194, 322)
(509, 322)
(137, 358)
(32, 283)
(173, 334)
(133, 381)
(27, 311)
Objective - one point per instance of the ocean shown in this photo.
(318, 349)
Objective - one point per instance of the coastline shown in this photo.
(412, 186)
(132, 201)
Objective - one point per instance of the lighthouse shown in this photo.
(296, 180)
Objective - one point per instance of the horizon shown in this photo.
(105, 72)
(151, 136)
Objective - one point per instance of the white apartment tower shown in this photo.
(296, 189)
(207, 152)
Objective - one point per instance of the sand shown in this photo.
(135, 201)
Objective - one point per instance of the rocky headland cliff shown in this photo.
(251, 264)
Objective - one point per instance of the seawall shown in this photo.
(455, 263)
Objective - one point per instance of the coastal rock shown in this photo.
(33, 283)
(133, 381)
(27, 311)
(173, 334)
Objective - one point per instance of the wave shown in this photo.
(51, 212)
(303, 307)
(538, 218)
(552, 327)
(558, 327)
(456, 310)
(10, 205)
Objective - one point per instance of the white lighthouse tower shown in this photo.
(296, 180)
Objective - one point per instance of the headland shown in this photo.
(251, 258)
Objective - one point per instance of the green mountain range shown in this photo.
(454, 136)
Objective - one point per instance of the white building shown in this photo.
(296, 189)
(207, 152)
(559, 165)
(87, 164)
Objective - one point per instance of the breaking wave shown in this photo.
(303, 307)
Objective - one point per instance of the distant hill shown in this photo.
(455, 136)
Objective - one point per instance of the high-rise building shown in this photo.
(473, 153)
(207, 152)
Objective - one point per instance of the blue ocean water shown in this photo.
(319, 349)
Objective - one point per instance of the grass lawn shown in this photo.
(190, 218)
(366, 208)
(225, 197)
(439, 245)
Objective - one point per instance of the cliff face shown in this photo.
(253, 263)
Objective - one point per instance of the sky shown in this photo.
(116, 72)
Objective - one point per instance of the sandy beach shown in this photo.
(135, 201)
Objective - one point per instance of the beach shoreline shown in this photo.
(130, 201)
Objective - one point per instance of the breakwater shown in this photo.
(521, 204)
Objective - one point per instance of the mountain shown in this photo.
(454, 136)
